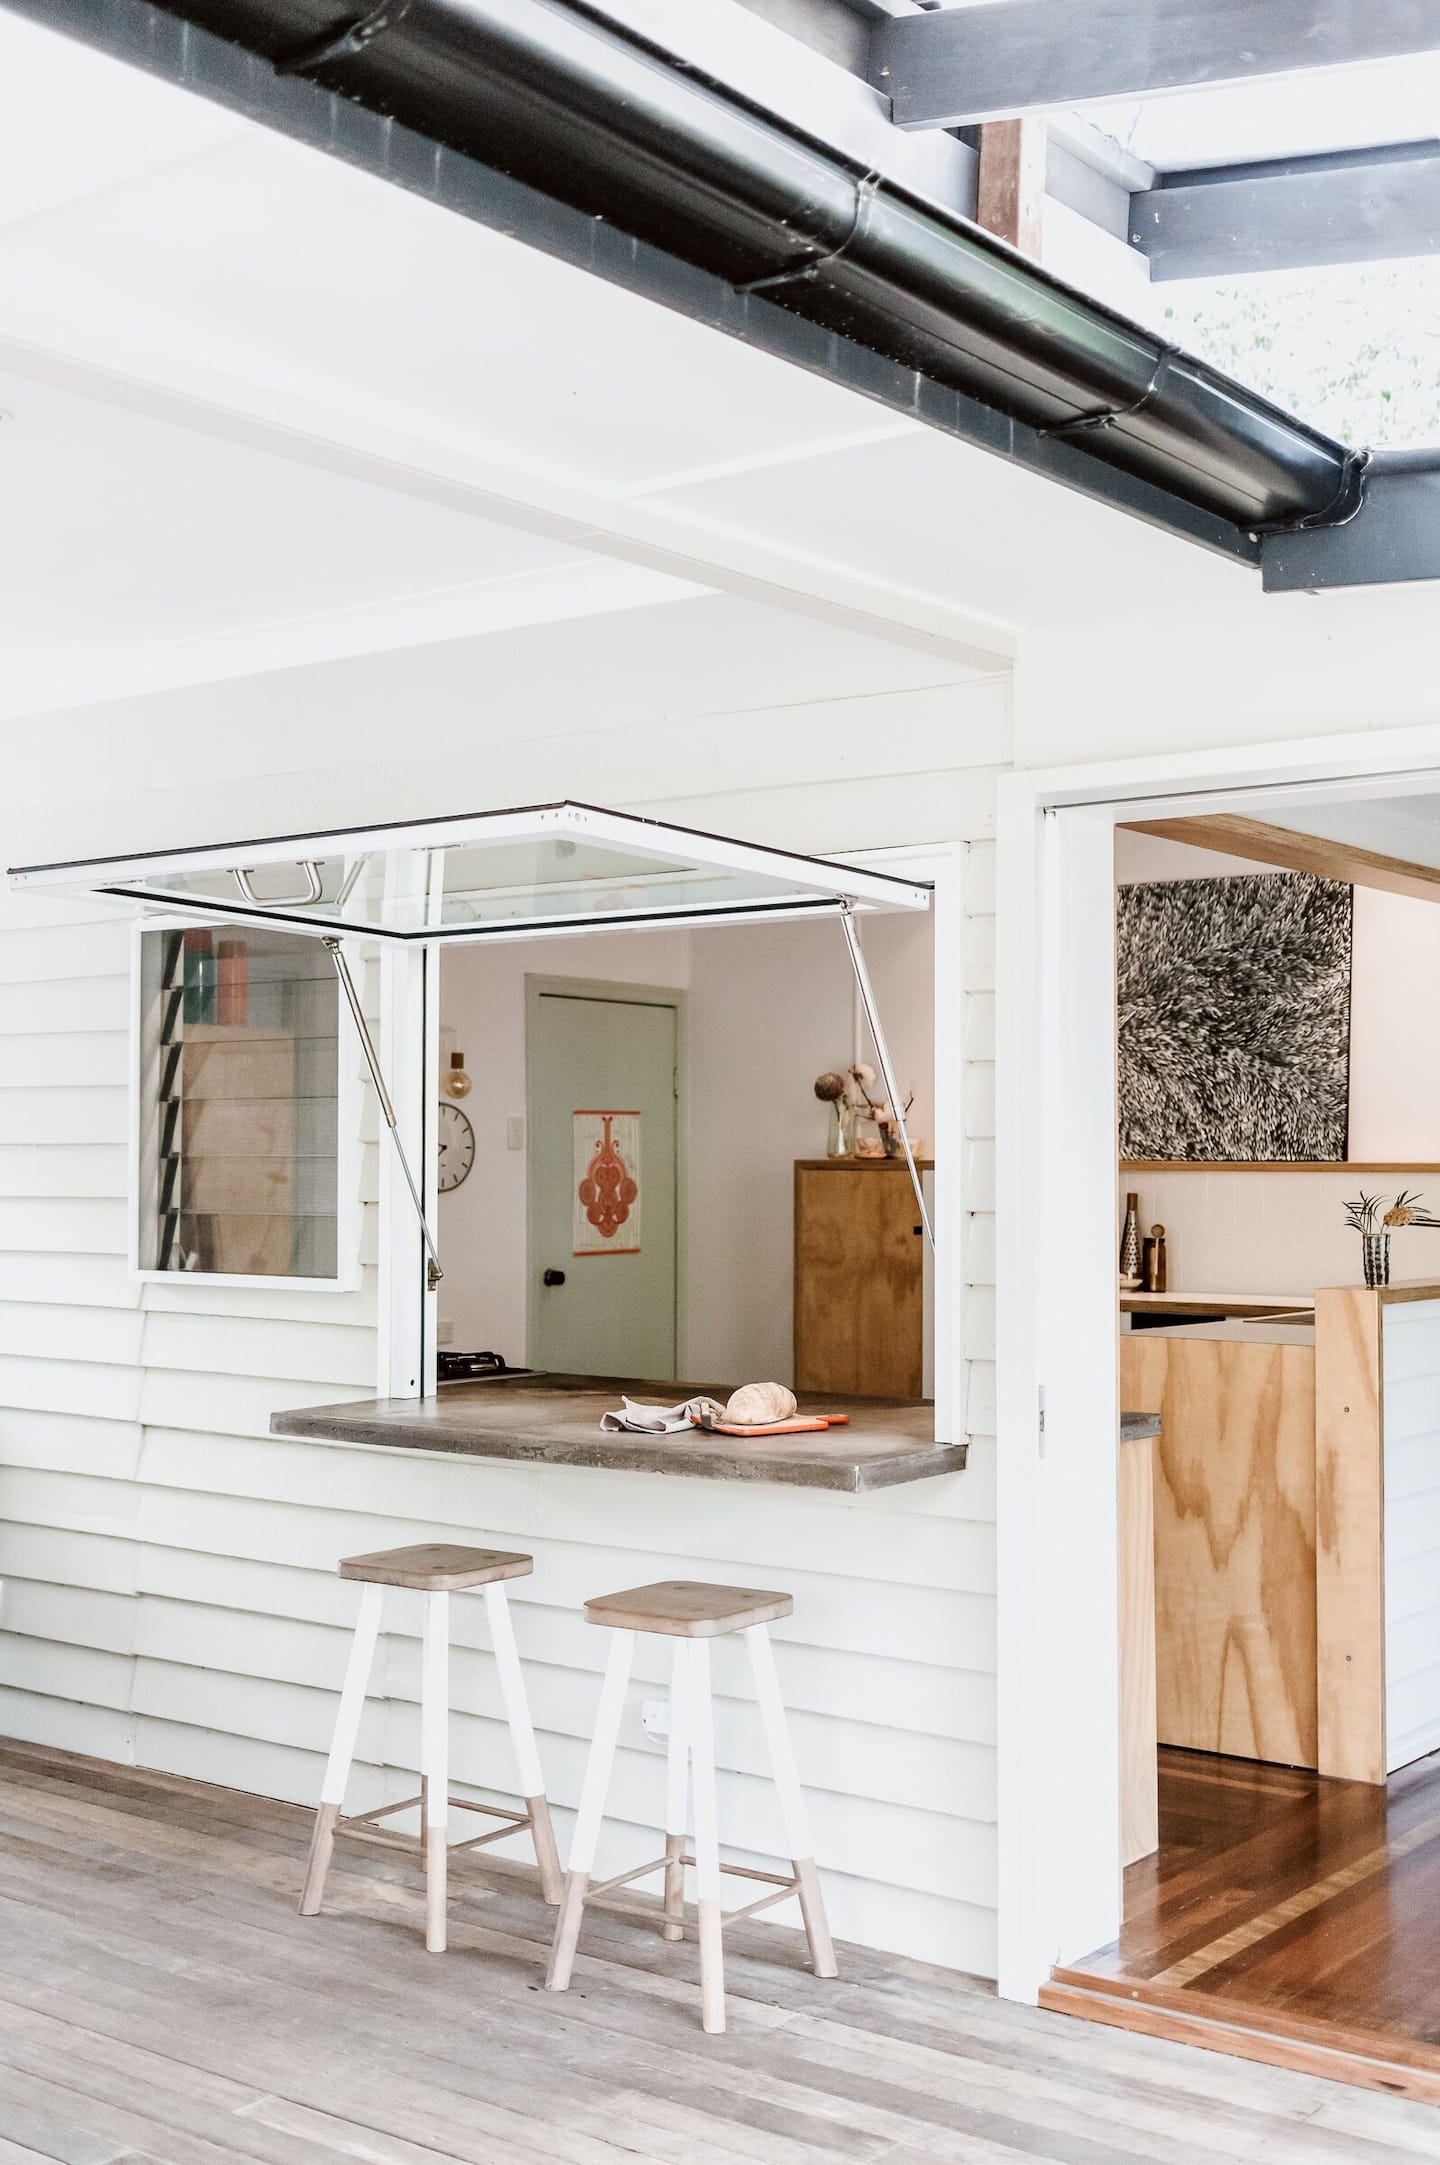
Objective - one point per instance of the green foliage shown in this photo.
(1354, 349)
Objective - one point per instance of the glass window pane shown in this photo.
(489, 874)
(549, 878)
(239, 1115)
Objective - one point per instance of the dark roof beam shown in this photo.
(957, 66)
(1359, 206)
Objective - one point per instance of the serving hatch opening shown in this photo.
(526, 873)
(515, 874)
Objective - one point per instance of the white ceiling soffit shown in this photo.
(136, 556)
(518, 874)
(297, 305)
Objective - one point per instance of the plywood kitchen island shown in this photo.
(1287, 1482)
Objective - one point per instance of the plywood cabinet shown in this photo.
(859, 1278)
(1234, 1541)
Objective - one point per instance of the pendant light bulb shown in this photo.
(457, 1082)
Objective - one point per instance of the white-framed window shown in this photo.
(242, 1109)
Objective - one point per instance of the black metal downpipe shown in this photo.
(592, 117)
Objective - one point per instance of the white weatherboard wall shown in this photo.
(1410, 1357)
(167, 1588)
(766, 1008)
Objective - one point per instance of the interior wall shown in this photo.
(767, 1007)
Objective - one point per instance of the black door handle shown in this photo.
(552, 1277)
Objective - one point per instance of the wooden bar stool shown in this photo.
(436, 1570)
(692, 1614)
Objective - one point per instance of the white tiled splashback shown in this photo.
(1273, 1232)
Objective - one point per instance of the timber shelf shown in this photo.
(1278, 1165)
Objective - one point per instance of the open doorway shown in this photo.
(1275, 1796)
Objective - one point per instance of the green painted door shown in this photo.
(601, 1138)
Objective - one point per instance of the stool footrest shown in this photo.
(381, 1811)
(514, 1821)
(365, 1824)
(748, 1871)
(783, 1885)
(766, 1901)
(623, 1879)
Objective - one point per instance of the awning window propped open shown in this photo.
(519, 874)
(543, 869)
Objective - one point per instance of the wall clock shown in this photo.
(457, 1146)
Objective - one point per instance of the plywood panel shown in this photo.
(859, 1319)
(1234, 1541)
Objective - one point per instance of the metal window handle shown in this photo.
(552, 1277)
(314, 887)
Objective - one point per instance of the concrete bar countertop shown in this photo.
(555, 1420)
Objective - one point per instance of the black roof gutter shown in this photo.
(551, 123)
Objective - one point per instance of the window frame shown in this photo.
(349, 1205)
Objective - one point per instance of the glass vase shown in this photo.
(842, 1131)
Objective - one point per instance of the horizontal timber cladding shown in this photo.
(169, 1595)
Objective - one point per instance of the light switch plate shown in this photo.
(515, 1133)
(655, 1720)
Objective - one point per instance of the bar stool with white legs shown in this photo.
(692, 1614)
(436, 1570)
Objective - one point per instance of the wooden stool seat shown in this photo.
(688, 1608)
(435, 1570)
(692, 1613)
(437, 1567)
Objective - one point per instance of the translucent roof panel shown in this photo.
(513, 874)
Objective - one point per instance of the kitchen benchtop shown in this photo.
(1216, 1304)
(555, 1420)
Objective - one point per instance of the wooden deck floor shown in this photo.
(160, 2000)
(1302, 1915)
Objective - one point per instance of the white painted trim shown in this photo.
(348, 1275)
(408, 1047)
(942, 864)
(1059, 1838)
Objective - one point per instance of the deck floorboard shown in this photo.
(161, 2001)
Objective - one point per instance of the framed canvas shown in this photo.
(1233, 1018)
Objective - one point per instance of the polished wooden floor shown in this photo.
(161, 2003)
(1300, 1916)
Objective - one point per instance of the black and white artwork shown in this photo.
(1234, 1018)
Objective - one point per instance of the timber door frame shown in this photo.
(538, 988)
(1060, 1885)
